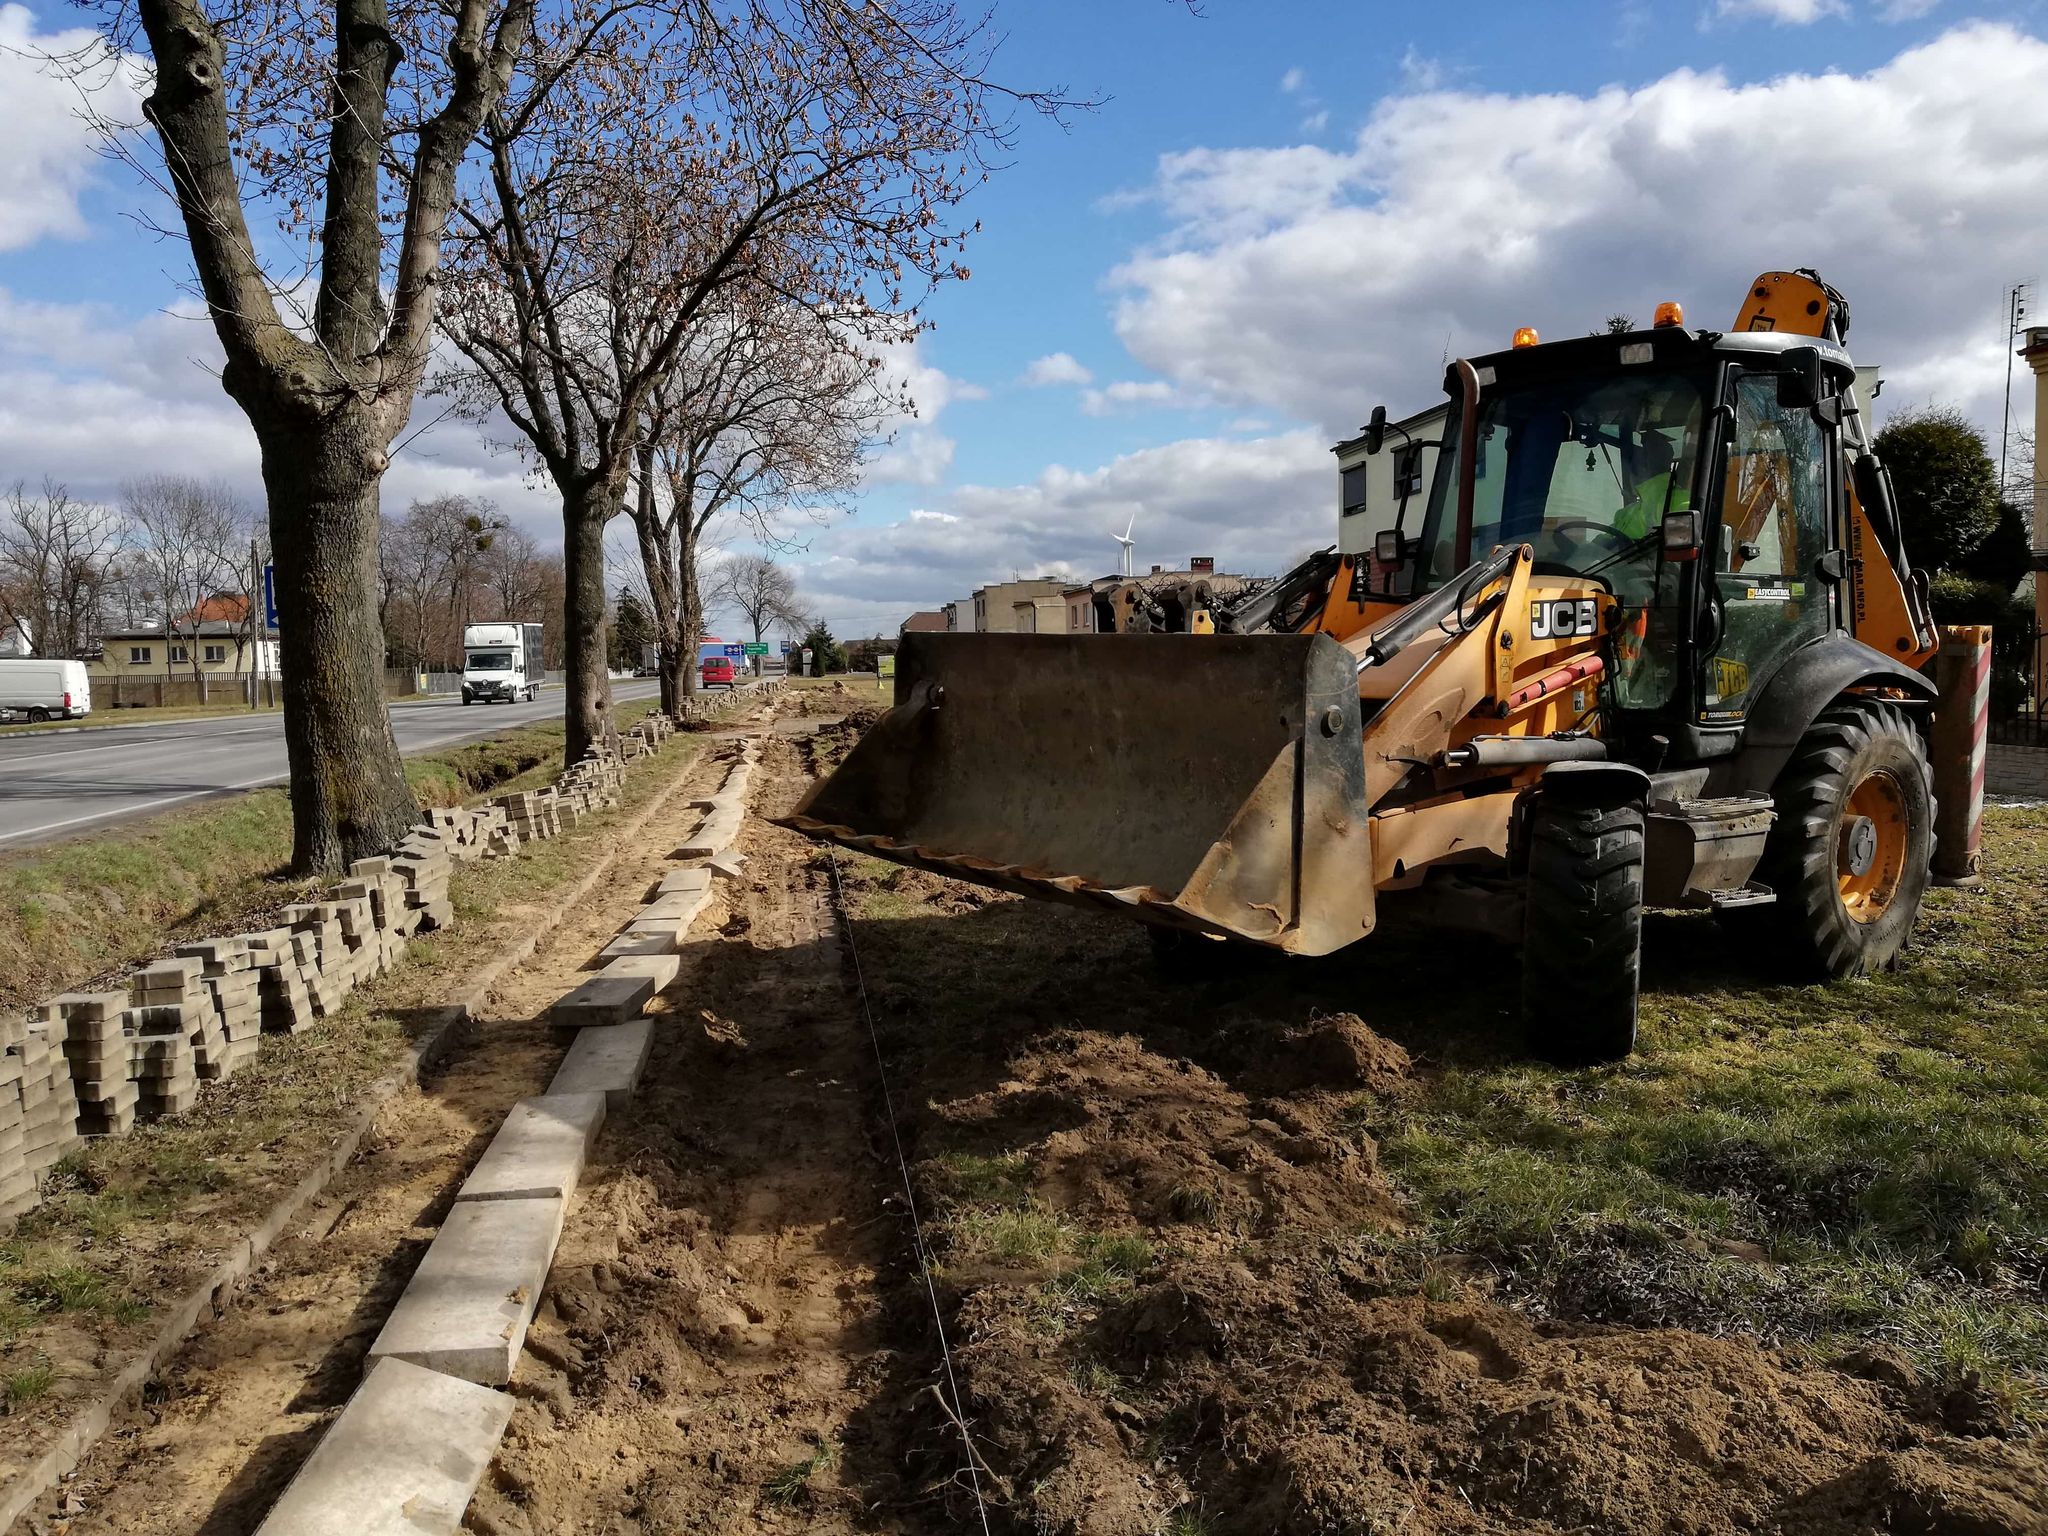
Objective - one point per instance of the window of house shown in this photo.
(138, 655)
(1352, 494)
(1408, 470)
(216, 653)
(179, 653)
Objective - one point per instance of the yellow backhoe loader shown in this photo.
(1653, 639)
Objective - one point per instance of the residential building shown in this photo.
(1044, 614)
(1371, 487)
(959, 615)
(995, 604)
(16, 638)
(926, 621)
(213, 641)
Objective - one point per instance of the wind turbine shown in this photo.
(1124, 539)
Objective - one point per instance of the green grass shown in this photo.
(789, 1486)
(28, 1384)
(1856, 1161)
(72, 910)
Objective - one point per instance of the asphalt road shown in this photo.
(61, 784)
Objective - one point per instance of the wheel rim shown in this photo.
(1870, 847)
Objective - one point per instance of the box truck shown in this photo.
(39, 688)
(501, 662)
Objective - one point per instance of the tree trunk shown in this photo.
(691, 628)
(349, 795)
(588, 708)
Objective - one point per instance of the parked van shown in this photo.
(719, 672)
(34, 688)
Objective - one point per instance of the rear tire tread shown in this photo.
(1582, 950)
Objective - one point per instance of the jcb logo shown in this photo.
(1563, 619)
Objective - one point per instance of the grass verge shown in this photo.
(129, 1221)
(91, 906)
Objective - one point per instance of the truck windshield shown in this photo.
(1581, 468)
(490, 661)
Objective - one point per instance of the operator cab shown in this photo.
(1686, 473)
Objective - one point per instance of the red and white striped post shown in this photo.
(1962, 710)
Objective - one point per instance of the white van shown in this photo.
(34, 688)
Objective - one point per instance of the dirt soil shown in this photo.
(1173, 1273)
(232, 1418)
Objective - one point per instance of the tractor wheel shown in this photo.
(1583, 928)
(1849, 855)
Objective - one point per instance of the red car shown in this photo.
(718, 672)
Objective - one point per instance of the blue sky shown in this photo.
(1280, 213)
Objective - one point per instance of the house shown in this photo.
(926, 621)
(1371, 487)
(212, 641)
(995, 605)
(16, 638)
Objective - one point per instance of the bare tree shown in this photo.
(58, 558)
(347, 119)
(767, 411)
(188, 537)
(437, 561)
(809, 149)
(762, 592)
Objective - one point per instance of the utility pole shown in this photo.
(255, 620)
(2015, 312)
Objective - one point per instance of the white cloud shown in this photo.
(1294, 80)
(1322, 281)
(51, 155)
(1134, 395)
(1785, 13)
(917, 452)
(1056, 368)
(1187, 497)
(1905, 10)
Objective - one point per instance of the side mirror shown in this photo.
(1681, 536)
(1801, 388)
(1376, 430)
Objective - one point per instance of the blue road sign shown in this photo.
(736, 652)
(786, 646)
(269, 596)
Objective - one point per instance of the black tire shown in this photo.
(38, 716)
(1847, 898)
(1583, 930)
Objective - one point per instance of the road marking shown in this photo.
(118, 746)
(136, 810)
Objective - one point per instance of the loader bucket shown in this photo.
(1206, 782)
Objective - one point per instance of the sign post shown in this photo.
(885, 672)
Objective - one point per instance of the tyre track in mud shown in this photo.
(723, 1347)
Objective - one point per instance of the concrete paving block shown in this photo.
(681, 905)
(716, 834)
(538, 1152)
(662, 968)
(466, 1310)
(683, 882)
(602, 1000)
(607, 1061)
(627, 945)
(727, 865)
(403, 1459)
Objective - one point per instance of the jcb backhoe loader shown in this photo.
(1654, 641)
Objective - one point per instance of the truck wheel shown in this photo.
(38, 716)
(1582, 932)
(1849, 855)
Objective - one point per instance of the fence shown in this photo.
(2019, 689)
(220, 690)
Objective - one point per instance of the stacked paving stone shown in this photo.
(94, 1031)
(170, 998)
(92, 1064)
(48, 1103)
(286, 964)
(229, 979)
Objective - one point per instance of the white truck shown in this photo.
(38, 688)
(501, 662)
